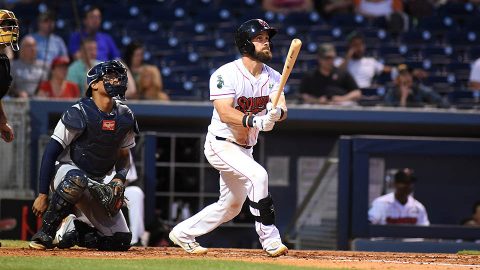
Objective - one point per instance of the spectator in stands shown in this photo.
(134, 62)
(405, 93)
(106, 48)
(77, 71)
(134, 59)
(474, 79)
(399, 207)
(474, 220)
(150, 84)
(420, 8)
(327, 84)
(57, 86)
(285, 6)
(378, 8)
(362, 68)
(49, 45)
(329, 8)
(27, 70)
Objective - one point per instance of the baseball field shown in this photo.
(16, 255)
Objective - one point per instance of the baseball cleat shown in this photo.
(41, 241)
(192, 248)
(66, 227)
(276, 249)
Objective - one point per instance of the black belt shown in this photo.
(228, 140)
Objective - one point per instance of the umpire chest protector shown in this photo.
(96, 150)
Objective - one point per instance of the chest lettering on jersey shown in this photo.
(252, 104)
(401, 220)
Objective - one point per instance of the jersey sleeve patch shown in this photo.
(220, 86)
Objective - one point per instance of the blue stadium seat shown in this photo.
(349, 22)
(462, 98)
(416, 37)
(441, 83)
(462, 38)
(438, 55)
(437, 23)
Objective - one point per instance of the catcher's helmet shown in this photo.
(247, 31)
(9, 32)
(114, 75)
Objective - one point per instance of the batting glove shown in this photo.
(263, 123)
(274, 114)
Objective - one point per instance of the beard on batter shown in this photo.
(263, 56)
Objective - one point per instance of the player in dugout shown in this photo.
(240, 91)
(92, 138)
(399, 207)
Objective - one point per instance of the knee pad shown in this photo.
(72, 186)
(120, 241)
(266, 209)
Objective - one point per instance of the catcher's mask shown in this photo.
(9, 31)
(114, 76)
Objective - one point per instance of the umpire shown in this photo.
(8, 37)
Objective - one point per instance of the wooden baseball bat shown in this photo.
(287, 68)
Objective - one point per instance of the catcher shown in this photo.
(92, 138)
(8, 37)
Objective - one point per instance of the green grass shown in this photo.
(469, 252)
(14, 243)
(48, 263)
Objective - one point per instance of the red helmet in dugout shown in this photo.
(9, 30)
(247, 31)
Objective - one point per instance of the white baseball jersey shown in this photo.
(250, 95)
(387, 210)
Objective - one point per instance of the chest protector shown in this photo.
(96, 150)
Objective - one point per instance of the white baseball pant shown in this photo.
(240, 176)
(90, 211)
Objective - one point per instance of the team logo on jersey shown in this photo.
(220, 82)
(108, 125)
(252, 104)
(270, 86)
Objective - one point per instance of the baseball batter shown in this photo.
(240, 91)
(92, 138)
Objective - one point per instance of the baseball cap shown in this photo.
(60, 60)
(327, 49)
(405, 175)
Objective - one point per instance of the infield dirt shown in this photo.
(330, 259)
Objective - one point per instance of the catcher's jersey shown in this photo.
(388, 210)
(66, 136)
(250, 95)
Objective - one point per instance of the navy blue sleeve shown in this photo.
(47, 169)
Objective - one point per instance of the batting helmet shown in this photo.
(9, 31)
(114, 76)
(247, 31)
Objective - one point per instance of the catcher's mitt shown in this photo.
(105, 194)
